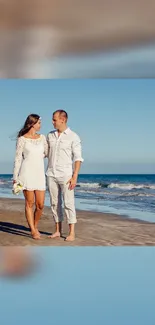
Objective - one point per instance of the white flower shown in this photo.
(17, 188)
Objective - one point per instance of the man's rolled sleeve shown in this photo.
(77, 149)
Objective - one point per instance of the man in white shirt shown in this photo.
(64, 161)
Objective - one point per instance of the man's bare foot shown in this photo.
(70, 237)
(55, 235)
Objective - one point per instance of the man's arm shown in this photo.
(47, 141)
(73, 181)
(77, 159)
(77, 166)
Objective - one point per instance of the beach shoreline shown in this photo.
(125, 195)
(92, 228)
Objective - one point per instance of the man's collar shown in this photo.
(67, 130)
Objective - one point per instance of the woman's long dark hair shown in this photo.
(30, 121)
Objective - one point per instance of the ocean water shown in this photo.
(130, 195)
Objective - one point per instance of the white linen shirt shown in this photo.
(63, 151)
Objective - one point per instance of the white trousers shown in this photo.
(58, 189)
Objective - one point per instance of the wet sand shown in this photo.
(92, 229)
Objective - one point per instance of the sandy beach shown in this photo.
(92, 229)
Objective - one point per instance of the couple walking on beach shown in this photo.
(62, 147)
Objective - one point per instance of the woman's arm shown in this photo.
(18, 158)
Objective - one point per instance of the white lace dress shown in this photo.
(29, 162)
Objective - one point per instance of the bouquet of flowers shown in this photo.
(17, 188)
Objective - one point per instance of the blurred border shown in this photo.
(39, 37)
(83, 286)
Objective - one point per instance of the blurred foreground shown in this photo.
(83, 286)
(16, 262)
(63, 39)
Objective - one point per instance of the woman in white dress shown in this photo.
(31, 149)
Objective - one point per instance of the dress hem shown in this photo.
(34, 189)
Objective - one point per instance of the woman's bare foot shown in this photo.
(38, 233)
(35, 235)
(71, 237)
(55, 235)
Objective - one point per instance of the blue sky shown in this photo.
(114, 118)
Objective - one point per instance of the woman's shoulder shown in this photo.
(21, 139)
(20, 142)
(43, 137)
